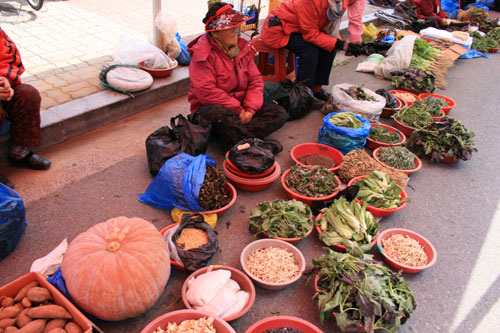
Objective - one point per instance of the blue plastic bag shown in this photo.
(183, 58)
(12, 219)
(344, 139)
(471, 54)
(178, 183)
(451, 8)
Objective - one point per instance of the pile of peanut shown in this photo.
(33, 310)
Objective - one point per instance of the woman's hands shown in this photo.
(6, 91)
(245, 116)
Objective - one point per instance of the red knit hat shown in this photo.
(225, 18)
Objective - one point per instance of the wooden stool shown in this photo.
(280, 68)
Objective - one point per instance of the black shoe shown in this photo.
(274, 146)
(322, 95)
(6, 181)
(32, 161)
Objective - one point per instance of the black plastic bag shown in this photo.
(251, 156)
(390, 100)
(275, 93)
(199, 257)
(301, 99)
(183, 136)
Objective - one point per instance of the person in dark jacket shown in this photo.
(227, 89)
(310, 29)
(20, 104)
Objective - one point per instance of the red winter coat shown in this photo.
(216, 79)
(307, 17)
(11, 65)
(428, 8)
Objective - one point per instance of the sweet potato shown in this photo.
(7, 322)
(36, 326)
(23, 319)
(57, 330)
(49, 312)
(72, 327)
(26, 302)
(38, 294)
(11, 329)
(54, 323)
(24, 290)
(7, 301)
(9, 312)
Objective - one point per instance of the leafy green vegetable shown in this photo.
(377, 189)
(357, 93)
(345, 119)
(483, 43)
(446, 135)
(314, 182)
(280, 218)
(413, 117)
(413, 79)
(397, 157)
(382, 134)
(361, 292)
(423, 55)
(431, 104)
(349, 224)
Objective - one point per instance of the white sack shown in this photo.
(370, 110)
(397, 57)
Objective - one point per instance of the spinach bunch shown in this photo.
(312, 182)
(361, 292)
(430, 104)
(413, 117)
(280, 218)
(413, 79)
(446, 135)
(382, 134)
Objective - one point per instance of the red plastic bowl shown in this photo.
(493, 49)
(388, 112)
(428, 248)
(235, 170)
(403, 128)
(175, 264)
(180, 315)
(276, 322)
(158, 72)
(307, 200)
(379, 211)
(446, 109)
(418, 163)
(448, 159)
(252, 184)
(293, 241)
(406, 92)
(339, 247)
(316, 148)
(373, 144)
(234, 194)
(244, 282)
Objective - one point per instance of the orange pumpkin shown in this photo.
(117, 269)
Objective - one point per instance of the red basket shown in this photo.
(446, 109)
(158, 72)
(305, 149)
(373, 144)
(307, 200)
(418, 163)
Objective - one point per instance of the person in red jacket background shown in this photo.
(20, 104)
(431, 11)
(226, 86)
(310, 29)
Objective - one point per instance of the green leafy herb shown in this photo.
(349, 224)
(345, 119)
(357, 93)
(397, 157)
(413, 117)
(361, 292)
(431, 104)
(377, 189)
(280, 218)
(446, 135)
(315, 182)
(413, 79)
(423, 55)
(382, 134)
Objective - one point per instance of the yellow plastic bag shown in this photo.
(369, 33)
(177, 213)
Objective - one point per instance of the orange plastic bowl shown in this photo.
(235, 170)
(418, 163)
(175, 264)
(338, 247)
(446, 109)
(305, 149)
(251, 184)
(293, 241)
(158, 72)
(373, 144)
(448, 159)
(276, 322)
(307, 200)
(180, 315)
(388, 112)
(427, 246)
(408, 103)
(379, 211)
(243, 281)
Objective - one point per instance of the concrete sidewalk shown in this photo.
(66, 44)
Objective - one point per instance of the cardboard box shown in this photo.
(12, 288)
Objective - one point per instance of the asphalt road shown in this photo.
(99, 175)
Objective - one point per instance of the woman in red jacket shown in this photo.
(310, 29)
(20, 104)
(226, 86)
